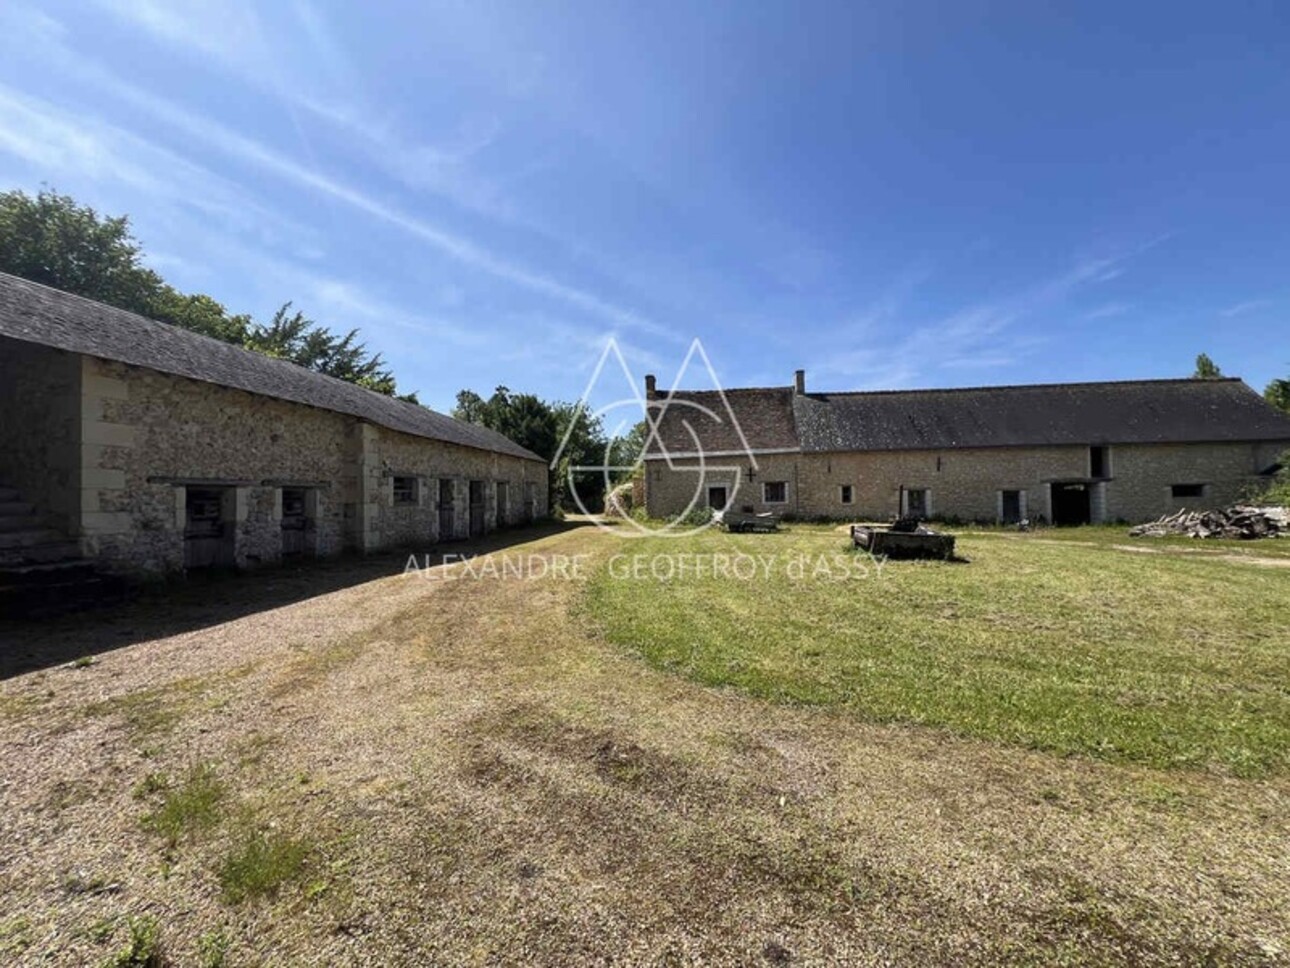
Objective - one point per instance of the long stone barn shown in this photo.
(150, 449)
(1071, 453)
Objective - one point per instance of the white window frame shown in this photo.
(766, 500)
(842, 493)
(416, 491)
(927, 501)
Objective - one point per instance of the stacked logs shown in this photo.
(1240, 522)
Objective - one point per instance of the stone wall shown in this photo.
(147, 438)
(968, 484)
(39, 428)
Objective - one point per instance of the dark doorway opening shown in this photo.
(530, 502)
(717, 498)
(501, 503)
(295, 520)
(1071, 504)
(1010, 510)
(208, 527)
(476, 508)
(446, 526)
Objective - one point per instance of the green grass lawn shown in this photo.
(1173, 660)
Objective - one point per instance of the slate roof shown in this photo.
(765, 416)
(1127, 412)
(35, 313)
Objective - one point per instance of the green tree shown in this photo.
(1277, 393)
(1206, 369)
(51, 239)
(295, 337)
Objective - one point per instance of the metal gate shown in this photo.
(294, 521)
(208, 538)
(446, 524)
(476, 508)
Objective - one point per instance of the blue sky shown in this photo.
(888, 195)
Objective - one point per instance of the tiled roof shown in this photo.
(38, 314)
(690, 420)
(1130, 412)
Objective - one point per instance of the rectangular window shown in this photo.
(916, 502)
(774, 492)
(1097, 462)
(846, 494)
(405, 490)
(1187, 490)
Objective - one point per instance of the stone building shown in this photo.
(150, 449)
(1064, 453)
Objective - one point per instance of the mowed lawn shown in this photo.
(1075, 641)
(1060, 753)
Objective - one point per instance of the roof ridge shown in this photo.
(1156, 381)
(290, 371)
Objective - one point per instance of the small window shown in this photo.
(1187, 490)
(774, 492)
(405, 490)
(916, 503)
(846, 494)
(1097, 463)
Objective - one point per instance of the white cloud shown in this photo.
(1241, 308)
(1108, 310)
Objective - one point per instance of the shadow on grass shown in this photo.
(200, 600)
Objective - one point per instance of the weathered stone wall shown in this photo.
(39, 428)
(167, 433)
(429, 461)
(1141, 476)
(968, 483)
(148, 437)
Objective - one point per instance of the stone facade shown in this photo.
(968, 484)
(117, 456)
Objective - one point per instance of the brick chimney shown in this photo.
(650, 389)
(799, 381)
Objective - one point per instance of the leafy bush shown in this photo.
(143, 950)
(1278, 490)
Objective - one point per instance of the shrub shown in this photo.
(143, 950)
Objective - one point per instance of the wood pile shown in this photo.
(1240, 522)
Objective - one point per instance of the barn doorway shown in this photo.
(208, 527)
(476, 508)
(447, 529)
(295, 521)
(717, 498)
(501, 504)
(1071, 505)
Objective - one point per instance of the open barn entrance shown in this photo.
(447, 530)
(1071, 504)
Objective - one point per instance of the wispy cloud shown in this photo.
(1108, 310)
(247, 150)
(896, 351)
(1241, 308)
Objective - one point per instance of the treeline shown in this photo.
(542, 425)
(49, 238)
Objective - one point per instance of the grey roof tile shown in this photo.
(38, 314)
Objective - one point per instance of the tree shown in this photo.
(295, 337)
(1206, 369)
(1277, 393)
(52, 240)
